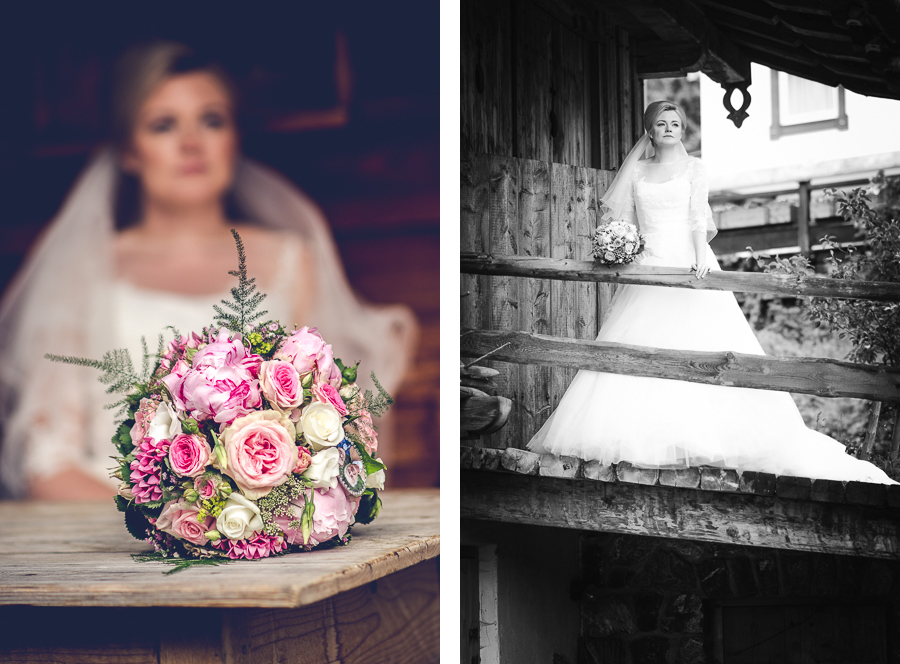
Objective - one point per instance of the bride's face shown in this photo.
(184, 144)
(667, 129)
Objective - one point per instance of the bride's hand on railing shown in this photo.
(701, 268)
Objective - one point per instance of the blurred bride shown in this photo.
(143, 242)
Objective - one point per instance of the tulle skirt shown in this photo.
(655, 422)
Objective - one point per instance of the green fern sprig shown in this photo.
(377, 404)
(116, 365)
(245, 299)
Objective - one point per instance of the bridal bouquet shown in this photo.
(616, 243)
(244, 439)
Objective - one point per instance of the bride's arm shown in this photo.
(699, 217)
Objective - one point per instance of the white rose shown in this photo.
(323, 468)
(629, 247)
(165, 424)
(376, 480)
(125, 491)
(239, 519)
(321, 425)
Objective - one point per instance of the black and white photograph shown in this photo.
(679, 331)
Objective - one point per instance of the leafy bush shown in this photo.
(872, 328)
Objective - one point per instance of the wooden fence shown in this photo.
(527, 283)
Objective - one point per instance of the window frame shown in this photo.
(778, 129)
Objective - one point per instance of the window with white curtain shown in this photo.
(800, 105)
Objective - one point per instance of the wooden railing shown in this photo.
(823, 377)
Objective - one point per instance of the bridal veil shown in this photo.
(59, 303)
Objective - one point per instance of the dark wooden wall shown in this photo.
(546, 111)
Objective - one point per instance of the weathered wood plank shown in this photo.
(563, 304)
(49, 555)
(504, 290)
(585, 218)
(823, 377)
(746, 282)
(473, 218)
(395, 619)
(485, 78)
(533, 394)
(533, 75)
(706, 516)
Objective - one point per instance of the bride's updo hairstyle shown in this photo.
(657, 108)
(140, 71)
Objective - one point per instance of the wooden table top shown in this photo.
(79, 554)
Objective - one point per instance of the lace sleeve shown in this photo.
(701, 217)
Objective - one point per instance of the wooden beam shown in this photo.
(827, 378)
(682, 22)
(691, 514)
(678, 277)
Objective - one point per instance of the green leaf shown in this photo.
(306, 519)
(369, 507)
(121, 504)
(122, 438)
(372, 465)
(136, 523)
(152, 508)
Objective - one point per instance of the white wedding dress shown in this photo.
(654, 422)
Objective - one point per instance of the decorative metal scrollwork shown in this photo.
(737, 116)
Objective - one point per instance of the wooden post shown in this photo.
(803, 218)
(895, 438)
(871, 429)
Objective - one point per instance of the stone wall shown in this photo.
(647, 600)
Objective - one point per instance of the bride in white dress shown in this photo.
(103, 275)
(654, 422)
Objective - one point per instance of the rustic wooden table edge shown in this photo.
(409, 535)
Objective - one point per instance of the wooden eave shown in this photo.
(835, 42)
(701, 504)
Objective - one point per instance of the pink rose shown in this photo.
(366, 431)
(281, 384)
(303, 459)
(142, 419)
(302, 348)
(261, 452)
(179, 519)
(221, 383)
(189, 454)
(207, 486)
(325, 393)
(326, 370)
(333, 515)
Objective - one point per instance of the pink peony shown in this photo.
(180, 520)
(142, 419)
(220, 384)
(325, 393)
(302, 348)
(333, 515)
(189, 455)
(303, 459)
(281, 384)
(261, 451)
